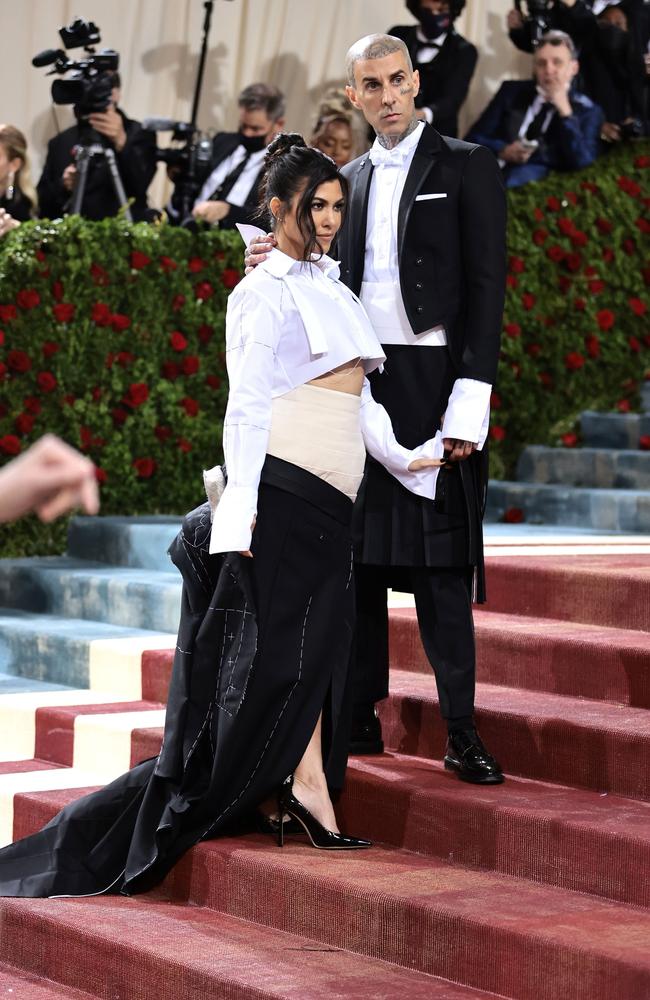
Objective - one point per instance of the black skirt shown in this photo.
(263, 647)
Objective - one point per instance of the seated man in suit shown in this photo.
(231, 192)
(540, 125)
(444, 59)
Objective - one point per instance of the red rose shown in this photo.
(28, 298)
(540, 236)
(144, 467)
(608, 255)
(63, 312)
(3, 369)
(538, 215)
(511, 281)
(635, 344)
(644, 442)
(642, 225)
(124, 358)
(638, 307)
(2, 337)
(573, 261)
(497, 433)
(18, 361)
(119, 416)
(206, 333)
(565, 226)
(604, 226)
(69, 399)
(119, 322)
(642, 161)
(528, 300)
(184, 445)
(191, 365)
(589, 186)
(100, 474)
(40, 256)
(516, 265)
(495, 401)
(85, 438)
(57, 291)
(555, 253)
(96, 394)
(101, 314)
(46, 381)
(596, 286)
(109, 360)
(564, 283)
(571, 196)
(553, 203)
(623, 406)
(534, 350)
(178, 341)
(546, 380)
(139, 260)
(580, 305)
(170, 370)
(190, 406)
(32, 405)
(513, 515)
(7, 313)
(569, 440)
(213, 381)
(10, 444)
(629, 186)
(99, 275)
(592, 345)
(195, 264)
(162, 433)
(177, 303)
(230, 277)
(49, 348)
(24, 423)
(137, 394)
(606, 319)
(574, 361)
(204, 290)
(167, 264)
(512, 329)
(579, 239)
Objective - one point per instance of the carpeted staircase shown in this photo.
(603, 484)
(538, 889)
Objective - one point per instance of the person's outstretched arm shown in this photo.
(49, 479)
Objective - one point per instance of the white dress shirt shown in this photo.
(467, 417)
(533, 110)
(244, 183)
(287, 323)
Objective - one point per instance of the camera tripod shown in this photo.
(83, 157)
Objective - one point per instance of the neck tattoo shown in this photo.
(390, 141)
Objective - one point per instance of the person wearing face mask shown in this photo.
(444, 59)
(230, 194)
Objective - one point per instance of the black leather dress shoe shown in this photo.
(365, 737)
(467, 756)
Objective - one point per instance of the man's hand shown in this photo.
(514, 21)
(516, 152)
(7, 222)
(110, 124)
(458, 450)
(610, 132)
(211, 211)
(558, 95)
(69, 176)
(50, 479)
(258, 250)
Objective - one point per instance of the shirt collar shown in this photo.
(433, 42)
(404, 149)
(280, 264)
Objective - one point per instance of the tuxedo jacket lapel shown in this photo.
(425, 156)
(357, 221)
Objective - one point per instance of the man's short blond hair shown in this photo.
(374, 47)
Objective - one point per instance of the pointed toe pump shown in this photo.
(320, 837)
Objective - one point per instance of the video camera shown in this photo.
(536, 15)
(187, 165)
(91, 80)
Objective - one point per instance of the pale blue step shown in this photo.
(10, 684)
(72, 588)
(137, 542)
(601, 468)
(645, 397)
(613, 430)
(602, 510)
(52, 649)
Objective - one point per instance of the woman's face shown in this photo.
(336, 141)
(326, 207)
(7, 166)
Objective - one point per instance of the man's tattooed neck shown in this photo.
(390, 141)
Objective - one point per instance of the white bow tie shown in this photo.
(396, 157)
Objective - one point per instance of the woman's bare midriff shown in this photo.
(346, 378)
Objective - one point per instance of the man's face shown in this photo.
(385, 91)
(554, 67)
(257, 123)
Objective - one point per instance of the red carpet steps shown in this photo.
(535, 889)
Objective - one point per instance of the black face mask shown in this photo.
(253, 143)
(433, 24)
(612, 41)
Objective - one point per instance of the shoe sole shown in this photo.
(489, 779)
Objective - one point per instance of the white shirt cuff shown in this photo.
(468, 411)
(232, 520)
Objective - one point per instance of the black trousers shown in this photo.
(444, 611)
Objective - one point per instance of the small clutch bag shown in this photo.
(214, 481)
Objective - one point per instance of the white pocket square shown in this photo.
(428, 197)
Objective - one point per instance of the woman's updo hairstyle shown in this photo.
(291, 167)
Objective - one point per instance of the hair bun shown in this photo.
(283, 144)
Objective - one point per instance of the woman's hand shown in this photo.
(50, 478)
(7, 222)
(426, 463)
(248, 553)
(258, 250)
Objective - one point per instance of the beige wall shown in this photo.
(299, 45)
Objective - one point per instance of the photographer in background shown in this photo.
(135, 153)
(571, 16)
(18, 200)
(231, 192)
(444, 59)
(535, 126)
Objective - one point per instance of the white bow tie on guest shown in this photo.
(396, 157)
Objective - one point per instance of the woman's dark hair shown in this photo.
(293, 166)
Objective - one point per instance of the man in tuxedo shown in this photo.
(231, 192)
(445, 61)
(424, 246)
(135, 155)
(535, 126)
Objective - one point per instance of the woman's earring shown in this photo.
(10, 187)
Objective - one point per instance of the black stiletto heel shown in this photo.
(325, 840)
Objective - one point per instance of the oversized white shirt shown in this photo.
(467, 417)
(287, 323)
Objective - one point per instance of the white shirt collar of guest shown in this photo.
(280, 264)
(399, 154)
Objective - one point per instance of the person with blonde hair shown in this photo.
(18, 199)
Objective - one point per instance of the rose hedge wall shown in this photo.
(111, 335)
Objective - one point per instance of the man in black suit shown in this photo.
(535, 126)
(231, 192)
(135, 155)
(444, 60)
(424, 246)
